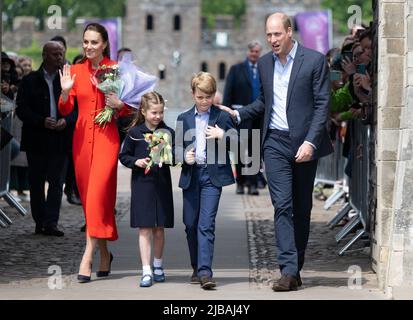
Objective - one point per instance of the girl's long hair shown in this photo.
(103, 33)
(147, 100)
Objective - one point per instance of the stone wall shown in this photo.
(24, 32)
(393, 236)
(196, 44)
(154, 49)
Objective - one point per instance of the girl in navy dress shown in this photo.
(152, 207)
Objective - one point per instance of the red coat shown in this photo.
(95, 153)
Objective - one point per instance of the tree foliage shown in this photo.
(72, 9)
(341, 15)
(210, 8)
(35, 53)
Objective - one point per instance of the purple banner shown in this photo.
(314, 28)
(113, 27)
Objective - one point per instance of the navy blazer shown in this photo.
(238, 86)
(308, 99)
(220, 171)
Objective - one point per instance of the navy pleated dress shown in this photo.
(152, 200)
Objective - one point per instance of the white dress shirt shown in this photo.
(49, 79)
(282, 74)
(201, 123)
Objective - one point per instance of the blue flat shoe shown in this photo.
(158, 277)
(146, 281)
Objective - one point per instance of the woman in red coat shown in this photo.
(95, 149)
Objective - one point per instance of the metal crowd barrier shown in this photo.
(5, 154)
(330, 171)
(359, 190)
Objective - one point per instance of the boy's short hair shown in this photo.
(205, 82)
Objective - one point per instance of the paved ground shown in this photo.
(244, 260)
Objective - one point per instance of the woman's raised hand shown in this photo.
(66, 81)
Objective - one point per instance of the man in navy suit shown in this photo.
(294, 100)
(242, 87)
(203, 136)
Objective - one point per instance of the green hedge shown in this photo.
(35, 53)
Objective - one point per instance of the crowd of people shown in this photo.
(288, 95)
(351, 97)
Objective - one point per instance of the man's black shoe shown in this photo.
(299, 282)
(286, 283)
(240, 189)
(74, 199)
(261, 185)
(207, 283)
(252, 190)
(53, 231)
(194, 278)
(38, 230)
(261, 182)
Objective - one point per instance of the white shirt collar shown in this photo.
(292, 53)
(202, 113)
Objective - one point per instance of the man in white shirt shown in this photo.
(294, 101)
(45, 138)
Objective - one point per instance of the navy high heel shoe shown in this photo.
(100, 274)
(84, 279)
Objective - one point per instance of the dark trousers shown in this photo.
(200, 208)
(70, 179)
(51, 168)
(291, 187)
(244, 151)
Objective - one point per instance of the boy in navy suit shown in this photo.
(204, 134)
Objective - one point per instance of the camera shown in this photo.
(6, 77)
(347, 54)
(335, 75)
(361, 68)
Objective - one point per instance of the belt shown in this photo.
(279, 132)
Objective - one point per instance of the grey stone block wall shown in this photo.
(196, 44)
(393, 236)
(155, 48)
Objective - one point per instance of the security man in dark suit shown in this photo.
(242, 87)
(45, 138)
